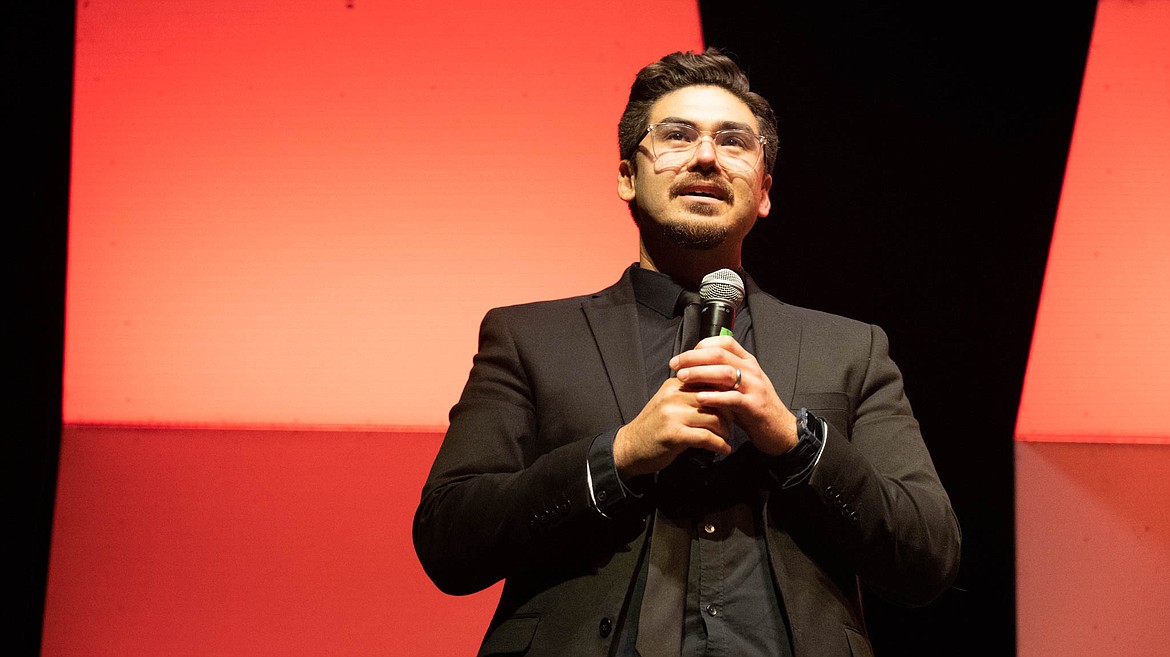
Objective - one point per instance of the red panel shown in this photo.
(1101, 351)
(1093, 547)
(1093, 550)
(212, 542)
(297, 214)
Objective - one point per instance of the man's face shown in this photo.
(702, 199)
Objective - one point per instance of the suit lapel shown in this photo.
(777, 336)
(612, 315)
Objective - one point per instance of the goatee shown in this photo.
(695, 235)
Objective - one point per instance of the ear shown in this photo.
(625, 181)
(765, 200)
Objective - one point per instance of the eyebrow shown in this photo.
(722, 125)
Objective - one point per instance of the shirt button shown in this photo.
(601, 496)
(605, 627)
(709, 528)
(712, 610)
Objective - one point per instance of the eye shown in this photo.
(673, 132)
(736, 139)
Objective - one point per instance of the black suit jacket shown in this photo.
(507, 496)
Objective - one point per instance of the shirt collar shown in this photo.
(655, 290)
(659, 292)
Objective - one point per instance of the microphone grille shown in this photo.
(723, 285)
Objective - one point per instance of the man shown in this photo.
(642, 497)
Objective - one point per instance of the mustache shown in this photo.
(717, 182)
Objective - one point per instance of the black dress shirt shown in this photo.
(732, 606)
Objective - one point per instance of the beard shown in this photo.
(698, 234)
(695, 234)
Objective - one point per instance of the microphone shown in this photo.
(721, 292)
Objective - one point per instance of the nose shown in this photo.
(704, 156)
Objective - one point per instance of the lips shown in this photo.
(708, 189)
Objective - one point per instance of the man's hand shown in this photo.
(670, 423)
(711, 369)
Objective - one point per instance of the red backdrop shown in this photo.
(1093, 545)
(287, 222)
(275, 209)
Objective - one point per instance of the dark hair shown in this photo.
(687, 69)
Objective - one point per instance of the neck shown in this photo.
(688, 266)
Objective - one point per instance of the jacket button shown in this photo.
(605, 627)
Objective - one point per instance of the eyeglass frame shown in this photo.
(713, 134)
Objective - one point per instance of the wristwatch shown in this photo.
(810, 429)
(796, 465)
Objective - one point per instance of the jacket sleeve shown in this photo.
(874, 502)
(507, 493)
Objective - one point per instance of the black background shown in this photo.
(922, 149)
(38, 89)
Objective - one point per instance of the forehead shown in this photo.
(707, 107)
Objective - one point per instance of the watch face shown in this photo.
(808, 427)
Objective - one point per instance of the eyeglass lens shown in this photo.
(674, 143)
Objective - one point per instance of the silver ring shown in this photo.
(738, 378)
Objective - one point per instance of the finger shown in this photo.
(712, 420)
(724, 377)
(722, 399)
(682, 407)
(703, 356)
(724, 342)
(708, 440)
(690, 413)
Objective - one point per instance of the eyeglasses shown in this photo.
(674, 144)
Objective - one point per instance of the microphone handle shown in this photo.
(717, 318)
